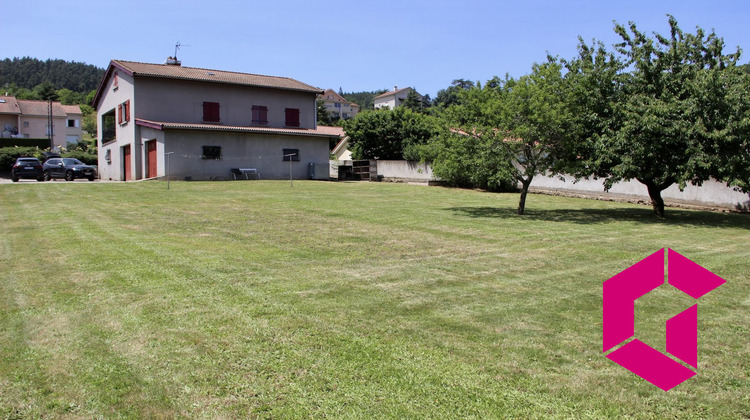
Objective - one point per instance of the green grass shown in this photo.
(347, 300)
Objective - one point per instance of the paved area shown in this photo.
(5, 179)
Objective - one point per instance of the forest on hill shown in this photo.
(30, 72)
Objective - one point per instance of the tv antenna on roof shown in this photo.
(177, 47)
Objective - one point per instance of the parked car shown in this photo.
(68, 169)
(27, 167)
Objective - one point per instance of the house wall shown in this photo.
(125, 133)
(74, 134)
(11, 121)
(37, 128)
(239, 150)
(157, 99)
(393, 101)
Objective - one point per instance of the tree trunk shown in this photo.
(524, 191)
(655, 193)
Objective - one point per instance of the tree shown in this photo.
(413, 101)
(678, 114)
(512, 128)
(324, 118)
(46, 92)
(450, 95)
(389, 134)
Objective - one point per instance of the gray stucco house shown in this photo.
(206, 122)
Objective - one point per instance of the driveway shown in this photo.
(5, 179)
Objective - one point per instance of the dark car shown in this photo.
(27, 167)
(68, 169)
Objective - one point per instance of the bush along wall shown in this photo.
(23, 142)
(8, 156)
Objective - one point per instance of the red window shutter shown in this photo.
(292, 117)
(119, 114)
(127, 110)
(260, 115)
(211, 112)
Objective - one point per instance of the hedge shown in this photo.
(8, 156)
(23, 142)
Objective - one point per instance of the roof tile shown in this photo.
(215, 76)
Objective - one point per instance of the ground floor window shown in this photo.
(211, 152)
(291, 154)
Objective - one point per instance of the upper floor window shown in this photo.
(115, 81)
(123, 112)
(292, 117)
(260, 115)
(211, 112)
(108, 126)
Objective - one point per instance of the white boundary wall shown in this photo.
(711, 193)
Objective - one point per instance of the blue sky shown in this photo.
(357, 45)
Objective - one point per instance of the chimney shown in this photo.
(173, 61)
(395, 88)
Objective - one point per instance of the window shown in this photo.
(291, 154)
(115, 80)
(292, 117)
(25, 124)
(71, 123)
(211, 112)
(211, 152)
(108, 126)
(260, 115)
(123, 112)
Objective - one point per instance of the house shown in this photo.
(73, 123)
(200, 124)
(31, 119)
(394, 98)
(341, 151)
(338, 106)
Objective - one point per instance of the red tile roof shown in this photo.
(212, 76)
(40, 108)
(72, 109)
(393, 92)
(319, 132)
(9, 105)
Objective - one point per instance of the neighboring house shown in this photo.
(341, 151)
(73, 123)
(338, 106)
(394, 98)
(203, 123)
(30, 119)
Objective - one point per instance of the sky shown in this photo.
(356, 45)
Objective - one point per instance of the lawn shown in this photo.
(347, 300)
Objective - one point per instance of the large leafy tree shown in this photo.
(675, 111)
(389, 134)
(512, 128)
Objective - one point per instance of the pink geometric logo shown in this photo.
(618, 318)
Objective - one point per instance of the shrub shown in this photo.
(23, 142)
(8, 156)
(84, 157)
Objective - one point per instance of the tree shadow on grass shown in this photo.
(598, 216)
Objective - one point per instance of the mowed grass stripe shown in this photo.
(344, 300)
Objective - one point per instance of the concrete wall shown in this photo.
(711, 193)
(401, 169)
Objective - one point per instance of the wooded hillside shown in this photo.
(30, 72)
